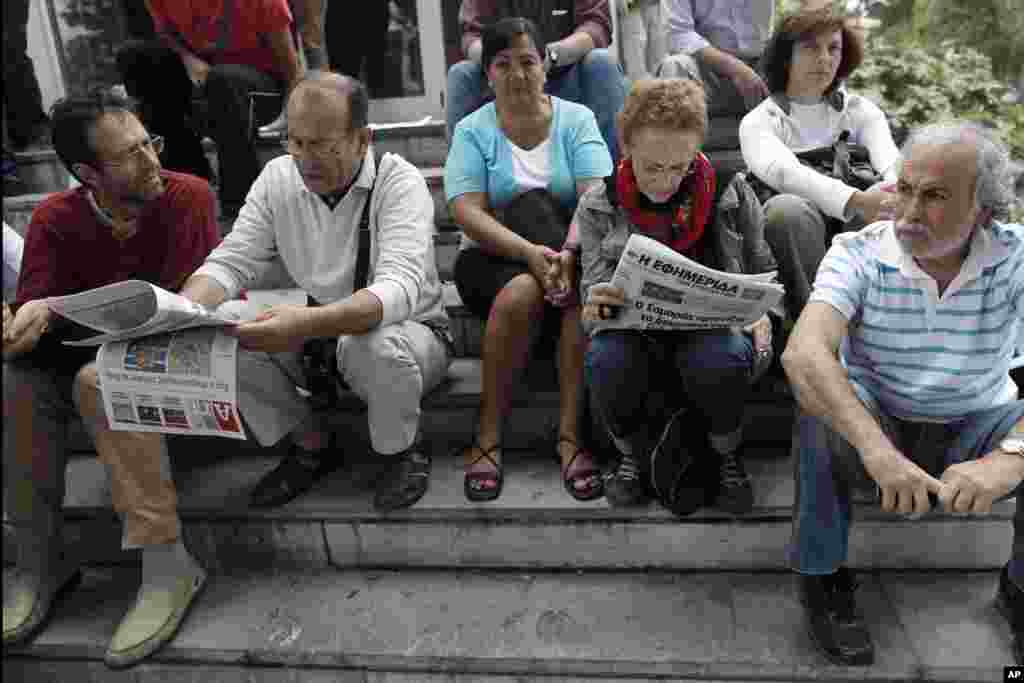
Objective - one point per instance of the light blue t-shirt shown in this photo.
(480, 158)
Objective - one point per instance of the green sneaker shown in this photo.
(154, 619)
(28, 601)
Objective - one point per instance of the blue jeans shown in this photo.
(828, 468)
(711, 368)
(596, 81)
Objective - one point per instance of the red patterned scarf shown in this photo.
(679, 222)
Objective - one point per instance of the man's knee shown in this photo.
(375, 352)
(464, 73)
(600, 64)
(85, 391)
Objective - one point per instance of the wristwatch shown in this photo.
(552, 56)
(1013, 444)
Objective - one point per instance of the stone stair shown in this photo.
(533, 587)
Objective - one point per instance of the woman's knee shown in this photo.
(710, 354)
(522, 298)
(786, 215)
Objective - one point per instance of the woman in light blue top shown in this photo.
(515, 170)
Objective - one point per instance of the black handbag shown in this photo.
(844, 161)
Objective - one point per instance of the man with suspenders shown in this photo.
(356, 234)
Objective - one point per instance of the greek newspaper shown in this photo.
(667, 291)
(164, 364)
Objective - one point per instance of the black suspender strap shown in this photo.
(318, 360)
(363, 244)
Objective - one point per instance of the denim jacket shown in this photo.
(733, 241)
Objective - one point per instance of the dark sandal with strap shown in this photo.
(406, 480)
(472, 484)
(293, 477)
(596, 488)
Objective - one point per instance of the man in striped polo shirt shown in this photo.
(900, 365)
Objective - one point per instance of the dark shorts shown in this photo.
(480, 276)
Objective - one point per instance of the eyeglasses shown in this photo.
(321, 149)
(153, 144)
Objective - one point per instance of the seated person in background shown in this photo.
(128, 219)
(525, 140)
(718, 43)
(224, 50)
(384, 319)
(899, 365)
(309, 18)
(579, 67)
(809, 56)
(14, 245)
(664, 188)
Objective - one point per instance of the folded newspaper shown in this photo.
(164, 364)
(668, 291)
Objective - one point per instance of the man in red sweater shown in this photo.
(128, 219)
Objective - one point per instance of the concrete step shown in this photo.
(533, 525)
(502, 627)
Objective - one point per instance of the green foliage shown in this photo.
(914, 85)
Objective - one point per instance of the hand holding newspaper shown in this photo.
(665, 290)
(164, 364)
(130, 309)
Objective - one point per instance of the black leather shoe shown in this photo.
(735, 492)
(295, 475)
(833, 620)
(405, 481)
(627, 483)
(1010, 601)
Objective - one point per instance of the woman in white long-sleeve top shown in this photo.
(806, 62)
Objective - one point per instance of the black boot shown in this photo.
(735, 492)
(1010, 601)
(833, 620)
(627, 483)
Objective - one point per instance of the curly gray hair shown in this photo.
(994, 184)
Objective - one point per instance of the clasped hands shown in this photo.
(967, 487)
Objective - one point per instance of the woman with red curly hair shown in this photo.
(664, 188)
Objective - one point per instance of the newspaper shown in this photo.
(182, 382)
(667, 291)
(165, 364)
(130, 309)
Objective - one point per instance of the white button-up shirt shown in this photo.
(284, 222)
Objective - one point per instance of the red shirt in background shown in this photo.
(238, 38)
(69, 250)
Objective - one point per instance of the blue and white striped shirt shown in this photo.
(922, 356)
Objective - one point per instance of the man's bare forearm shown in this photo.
(204, 290)
(356, 314)
(720, 61)
(823, 389)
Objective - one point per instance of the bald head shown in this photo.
(341, 92)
